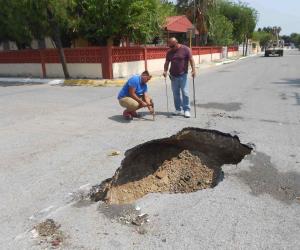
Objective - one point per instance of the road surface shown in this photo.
(55, 139)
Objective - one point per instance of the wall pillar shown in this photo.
(146, 58)
(43, 63)
(107, 63)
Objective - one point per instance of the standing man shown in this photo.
(179, 55)
(134, 95)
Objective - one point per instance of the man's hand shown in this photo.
(193, 73)
(151, 110)
(165, 74)
(144, 104)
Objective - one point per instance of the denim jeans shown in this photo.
(180, 86)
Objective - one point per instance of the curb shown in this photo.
(32, 80)
(70, 82)
(226, 62)
(94, 83)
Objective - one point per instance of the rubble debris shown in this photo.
(114, 153)
(48, 231)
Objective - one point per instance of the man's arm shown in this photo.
(135, 97)
(192, 63)
(149, 102)
(166, 67)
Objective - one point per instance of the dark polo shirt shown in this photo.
(179, 59)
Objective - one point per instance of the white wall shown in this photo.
(233, 53)
(76, 70)
(125, 69)
(216, 56)
(156, 64)
(205, 58)
(21, 69)
(54, 70)
(196, 59)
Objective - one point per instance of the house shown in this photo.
(181, 28)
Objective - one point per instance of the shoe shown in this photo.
(127, 115)
(187, 114)
(134, 114)
(177, 112)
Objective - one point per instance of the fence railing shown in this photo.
(105, 55)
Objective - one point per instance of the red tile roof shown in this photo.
(178, 24)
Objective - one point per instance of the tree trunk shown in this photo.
(58, 43)
(203, 39)
(246, 46)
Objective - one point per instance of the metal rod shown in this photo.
(167, 95)
(194, 96)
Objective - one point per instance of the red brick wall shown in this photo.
(98, 55)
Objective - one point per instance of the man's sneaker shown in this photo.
(134, 114)
(187, 114)
(127, 115)
(177, 112)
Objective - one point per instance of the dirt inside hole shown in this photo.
(186, 162)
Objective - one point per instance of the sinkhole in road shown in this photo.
(188, 161)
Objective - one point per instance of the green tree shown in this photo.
(103, 21)
(199, 13)
(243, 18)
(220, 30)
(262, 37)
(295, 38)
(12, 19)
(52, 18)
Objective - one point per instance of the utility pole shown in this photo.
(194, 21)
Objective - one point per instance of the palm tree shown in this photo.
(197, 11)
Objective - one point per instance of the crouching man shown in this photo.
(134, 95)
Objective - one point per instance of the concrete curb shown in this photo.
(94, 83)
(32, 80)
(70, 82)
(226, 62)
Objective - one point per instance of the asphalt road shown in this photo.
(54, 139)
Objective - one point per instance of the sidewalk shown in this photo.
(107, 82)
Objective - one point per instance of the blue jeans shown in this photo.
(179, 84)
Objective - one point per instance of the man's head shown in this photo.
(145, 76)
(173, 43)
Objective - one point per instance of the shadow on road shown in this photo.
(264, 178)
(297, 97)
(231, 106)
(144, 116)
(118, 118)
(291, 82)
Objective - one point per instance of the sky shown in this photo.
(283, 13)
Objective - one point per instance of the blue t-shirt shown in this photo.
(136, 83)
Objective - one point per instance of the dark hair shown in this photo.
(146, 73)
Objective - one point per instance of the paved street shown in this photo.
(54, 139)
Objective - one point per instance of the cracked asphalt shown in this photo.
(55, 139)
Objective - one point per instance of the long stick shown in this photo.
(194, 94)
(167, 95)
